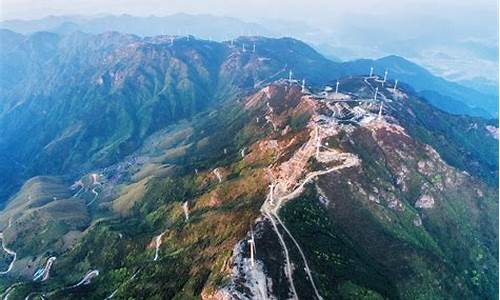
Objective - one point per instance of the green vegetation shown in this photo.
(298, 122)
(193, 255)
(335, 259)
(367, 243)
(462, 141)
(370, 242)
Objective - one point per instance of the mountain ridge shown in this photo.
(60, 58)
(223, 166)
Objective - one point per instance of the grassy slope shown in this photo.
(367, 250)
(193, 255)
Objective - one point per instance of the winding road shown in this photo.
(44, 273)
(116, 290)
(10, 252)
(271, 207)
(157, 246)
(6, 293)
(288, 270)
(217, 173)
(96, 194)
(185, 208)
(95, 183)
(87, 278)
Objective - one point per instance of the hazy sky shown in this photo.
(478, 13)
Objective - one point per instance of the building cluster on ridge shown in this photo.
(347, 107)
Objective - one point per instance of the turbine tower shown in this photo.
(303, 86)
(318, 143)
(251, 243)
(271, 192)
(337, 88)
(380, 110)
(395, 86)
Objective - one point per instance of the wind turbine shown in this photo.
(253, 50)
(271, 192)
(385, 77)
(290, 74)
(371, 72)
(318, 143)
(375, 96)
(337, 88)
(251, 243)
(380, 110)
(303, 86)
(395, 86)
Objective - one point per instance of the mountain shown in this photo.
(158, 168)
(217, 27)
(446, 95)
(375, 223)
(481, 84)
(150, 84)
(457, 55)
(56, 87)
(453, 96)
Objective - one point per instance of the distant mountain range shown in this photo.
(455, 59)
(479, 97)
(204, 26)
